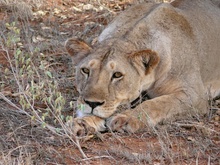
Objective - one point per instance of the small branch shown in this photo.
(13, 105)
(98, 157)
(195, 125)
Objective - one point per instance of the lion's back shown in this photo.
(194, 24)
(126, 20)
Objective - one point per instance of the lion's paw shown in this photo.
(86, 125)
(80, 127)
(123, 123)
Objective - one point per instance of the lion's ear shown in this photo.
(77, 49)
(147, 59)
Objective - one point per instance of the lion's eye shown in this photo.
(85, 70)
(117, 75)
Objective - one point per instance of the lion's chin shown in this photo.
(103, 113)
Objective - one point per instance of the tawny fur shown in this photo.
(171, 51)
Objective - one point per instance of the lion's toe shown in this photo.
(80, 127)
(123, 123)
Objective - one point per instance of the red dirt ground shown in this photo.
(192, 141)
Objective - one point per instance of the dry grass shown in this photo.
(32, 134)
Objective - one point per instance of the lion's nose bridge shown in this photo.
(97, 90)
(95, 93)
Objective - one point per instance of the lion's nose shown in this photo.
(93, 104)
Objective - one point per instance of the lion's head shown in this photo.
(111, 74)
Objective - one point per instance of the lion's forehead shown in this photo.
(95, 63)
(108, 58)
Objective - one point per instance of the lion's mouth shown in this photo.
(87, 108)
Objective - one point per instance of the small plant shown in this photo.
(33, 84)
(31, 80)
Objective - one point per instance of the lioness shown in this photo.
(171, 52)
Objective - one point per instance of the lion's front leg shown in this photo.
(86, 125)
(148, 113)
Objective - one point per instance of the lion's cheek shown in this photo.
(81, 86)
(127, 92)
(80, 82)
